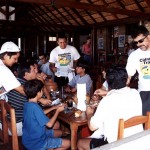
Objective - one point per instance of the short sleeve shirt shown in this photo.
(34, 126)
(7, 79)
(63, 58)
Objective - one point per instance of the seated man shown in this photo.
(25, 72)
(81, 77)
(45, 66)
(120, 102)
(36, 122)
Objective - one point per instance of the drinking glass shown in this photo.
(70, 104)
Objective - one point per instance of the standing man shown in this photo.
(139, 61)
(62, 58)
(9, 54)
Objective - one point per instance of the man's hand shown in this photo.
(100, 92)
(96, 97)
(52, 67)
(39, 77)
(68, 89)
(89, 111)
(45, 101)
(61, 107)
(43, 75)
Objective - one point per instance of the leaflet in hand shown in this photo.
(55, 102)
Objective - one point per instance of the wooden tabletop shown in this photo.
(69, 118)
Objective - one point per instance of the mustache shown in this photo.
(141, 46)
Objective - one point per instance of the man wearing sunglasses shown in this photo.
(139, 61)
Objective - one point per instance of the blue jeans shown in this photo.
(87, 58)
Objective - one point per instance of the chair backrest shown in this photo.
(133, 122)
(8, 120)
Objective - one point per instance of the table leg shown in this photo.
(74, 129)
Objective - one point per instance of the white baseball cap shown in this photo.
(9, 47)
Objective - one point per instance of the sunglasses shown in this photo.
(140, 41)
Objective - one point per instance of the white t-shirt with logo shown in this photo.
(140, 61)
(63, 59)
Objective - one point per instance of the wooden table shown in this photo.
(74, 123)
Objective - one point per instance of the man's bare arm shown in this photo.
(20, 89)
(128, 80)
(52, 67)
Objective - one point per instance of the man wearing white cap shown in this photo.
(9, 54)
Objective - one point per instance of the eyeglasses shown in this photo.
(140, 41)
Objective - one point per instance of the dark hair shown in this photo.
(61, 36)
(88, 38)
(23, 68)
(139, 30)
(10, 54)
(82, 63)
(116, 77)
(43, 54)
(32, 87)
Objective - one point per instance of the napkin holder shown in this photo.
(81, 96)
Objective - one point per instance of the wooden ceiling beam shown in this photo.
(121, 4)
(77, 22)
(63, 16)
(51, 12)
(90, 16)
(148, 2)
(43, 17)
(42, 2)
(139, 6)
(92, 7)
(36, 14)
(102, 16)
(80, 17)
(106, 5)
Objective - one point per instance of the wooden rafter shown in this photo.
(79, 5)
(148, 2)
(62, 15)
(99, 11)
(92, 7)
(81, 18)
(139, 6)
(72, 16)
(47, 21)
(90, 16)
(51, 12)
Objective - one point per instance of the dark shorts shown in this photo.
(97, 142)
(51, 141)
(145, 96)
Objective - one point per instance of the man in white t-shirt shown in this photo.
(9, 54)
(120, 102)
(62, 59)
(139, 61)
